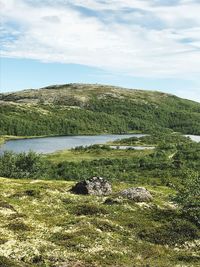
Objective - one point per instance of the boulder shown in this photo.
(93, 186)
(137, 194)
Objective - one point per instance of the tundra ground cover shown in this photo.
(43, 224)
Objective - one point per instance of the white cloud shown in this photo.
(114, 37)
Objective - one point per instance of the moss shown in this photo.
(105, 225)
(5, 262)
(18, 226)
(62, 228)
(81, 238)
(189, 258)
(88, 209)
(3, 241)
(171, 233)
(32, 193)
(29, 192)
(6, 205)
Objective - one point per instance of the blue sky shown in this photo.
(147, 44)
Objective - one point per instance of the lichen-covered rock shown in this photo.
(93, 186)
(137, 194)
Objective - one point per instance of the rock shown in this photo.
(137, 194)
(93, 186)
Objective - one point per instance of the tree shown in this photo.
(188, 195)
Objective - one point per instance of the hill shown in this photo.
(91, 109)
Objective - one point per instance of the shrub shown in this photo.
(22, 165)
(175, 232)
(188, 196)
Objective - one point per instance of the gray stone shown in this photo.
(93, 186)
(137, 194)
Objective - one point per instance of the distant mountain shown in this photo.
(91, 109)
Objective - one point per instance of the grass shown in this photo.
(79, 155)
(43, 224)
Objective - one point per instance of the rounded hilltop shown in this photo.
(81, 92)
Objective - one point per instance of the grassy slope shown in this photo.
(42, 224)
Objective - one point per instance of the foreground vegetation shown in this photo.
(43, 224)
(92, 109)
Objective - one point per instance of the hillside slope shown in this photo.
(91, 109)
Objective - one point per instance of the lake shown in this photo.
(51, 144)
(195, 138)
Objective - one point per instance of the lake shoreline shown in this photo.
(51, 144)
(5, 138)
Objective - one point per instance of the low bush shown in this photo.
(171, 233)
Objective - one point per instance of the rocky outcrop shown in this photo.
(93, 186)
(137, 194)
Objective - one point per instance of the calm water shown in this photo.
(52, 144)
(195, 138)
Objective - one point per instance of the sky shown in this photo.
(147, 44)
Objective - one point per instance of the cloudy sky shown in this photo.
(149, 44)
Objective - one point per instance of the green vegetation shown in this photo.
(188, 196)
(165, 165)
(43, 224)
(93, 152)
(154, 139)
(22, 165)
(91, 109)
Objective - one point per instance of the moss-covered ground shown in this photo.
(43, 224)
